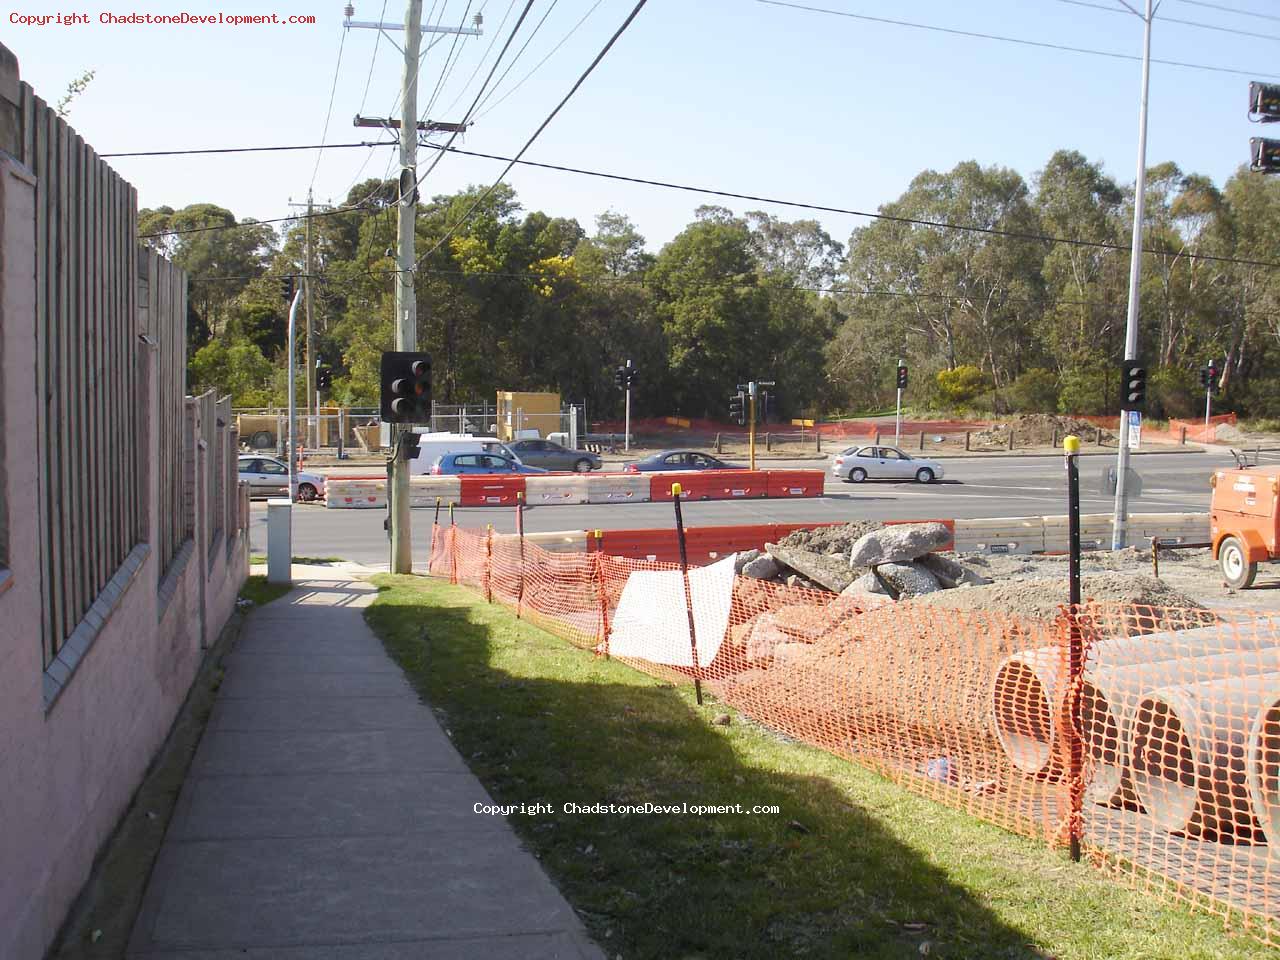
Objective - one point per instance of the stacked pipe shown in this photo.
(1185, 724)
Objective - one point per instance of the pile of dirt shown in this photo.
(1038, 430)
(1042, 597)
(832, 541)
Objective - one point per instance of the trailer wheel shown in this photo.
(262, 440)
(1236, 570)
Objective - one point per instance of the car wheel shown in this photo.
(306, 492)
(1237, 571)
(924, 475)
(582, 466)
(262, 440)
(857, 474)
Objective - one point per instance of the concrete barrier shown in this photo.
(617, 488)
(1000, 535)
(540, 490)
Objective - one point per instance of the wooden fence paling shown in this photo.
(87, 410)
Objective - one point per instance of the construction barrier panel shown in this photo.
(490, 490)
(796, 483)
(555, 489)
(1000, 535)
(617, 488)
(424, 490)
(695, 484)
(1149, 735)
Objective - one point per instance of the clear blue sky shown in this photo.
(728, 93)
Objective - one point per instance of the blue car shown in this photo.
(457, 463)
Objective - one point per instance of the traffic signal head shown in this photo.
(902, 376)
(1264, 155)
(405, 387)
(737, 413)
(1264, 102)
(620, 377)
(324, 377)
(1204, 377)
(409, 445)
(286, 288)
(1133, 385)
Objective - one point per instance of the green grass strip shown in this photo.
(851, 866)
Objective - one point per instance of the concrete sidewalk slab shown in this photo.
(326, 815)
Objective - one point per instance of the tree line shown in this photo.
(1024, 310)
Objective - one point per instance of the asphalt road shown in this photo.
(1007, 487)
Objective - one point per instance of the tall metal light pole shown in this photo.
(1120, 518)
(626, 427)
(293, 396)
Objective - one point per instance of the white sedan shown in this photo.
(269, 477)
(883, 463)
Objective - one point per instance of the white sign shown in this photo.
(1135, 429)
(652, 622)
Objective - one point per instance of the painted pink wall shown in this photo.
(66, 775)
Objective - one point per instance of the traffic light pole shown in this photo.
(406, 304)
(293, 396)
(626, 427)
(1208, 402)
(1120, 518)
(751, 422)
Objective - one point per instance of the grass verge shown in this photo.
(852, 865)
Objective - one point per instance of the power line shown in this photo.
(826, 208)
(1226, 9)
(303, 146)
(542, 126)
(519, 53)
(485, 56)
(519, 83)
(373, 60)
(1018, 40)
(690, 188)
(1185, 23)
(328, 114)
(449, 64)
(480, 93)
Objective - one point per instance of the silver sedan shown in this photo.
(269, 477)
(883, 463)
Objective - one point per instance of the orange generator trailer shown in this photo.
(1244, 521)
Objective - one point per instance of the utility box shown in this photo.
(521, 413)
(279, 540)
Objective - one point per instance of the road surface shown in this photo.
(977, 487)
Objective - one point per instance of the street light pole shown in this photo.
(293, 395)
(1121, 513)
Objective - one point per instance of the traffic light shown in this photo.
(1204, 377)
(737, 412)
(405, 380)
(630, 373)
(1264, 102)
(286, 288)
(1133, 385)
(1264, 155)
(902, 376)
(324, 376)
(624, 376)
(1211, 373)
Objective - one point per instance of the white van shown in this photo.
(433, 446)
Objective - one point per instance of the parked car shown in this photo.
(883, 463)
(679, 460)
(269, 477)
(553, 456)
(457, 463)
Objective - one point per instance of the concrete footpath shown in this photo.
(326, 815)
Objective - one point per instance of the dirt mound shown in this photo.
(830, 540)
(1041, 597)
(1038, 430)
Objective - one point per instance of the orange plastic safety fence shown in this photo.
(1157, 743)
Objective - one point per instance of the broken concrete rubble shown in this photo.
(827, 571)
(898, 544)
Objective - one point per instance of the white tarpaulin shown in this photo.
(651, 622)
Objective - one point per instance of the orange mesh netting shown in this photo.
(1157, 742)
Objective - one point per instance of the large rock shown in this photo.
(829, 572)
(900, 543)
(909, 579)
(743, 558)
(764, 637)
(951, 574)
(762, 568)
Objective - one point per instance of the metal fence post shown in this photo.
(603, 592)
(488, 565)
(520, 534)
(676, 491)
(1075, 653)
